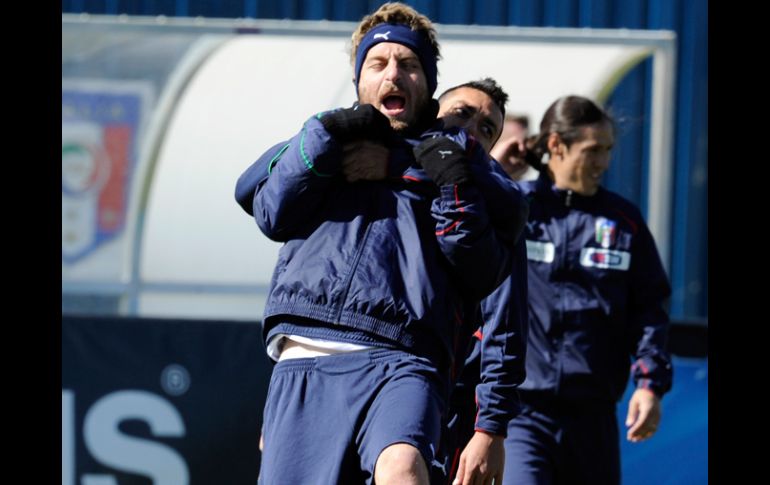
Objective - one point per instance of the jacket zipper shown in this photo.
(349, 278)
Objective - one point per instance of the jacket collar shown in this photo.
(565, 197)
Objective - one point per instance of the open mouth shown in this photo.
(393, 104)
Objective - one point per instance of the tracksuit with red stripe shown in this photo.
(399, 265)
(596, 297)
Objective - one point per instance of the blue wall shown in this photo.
(689, 19)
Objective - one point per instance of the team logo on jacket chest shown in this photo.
(605, 259)
(542, 251)
(606, 231)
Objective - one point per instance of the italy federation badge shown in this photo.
(101, 122)
(605, 232)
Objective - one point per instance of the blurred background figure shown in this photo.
(507, 151)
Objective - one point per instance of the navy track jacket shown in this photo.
(398, 263)
(597, 291)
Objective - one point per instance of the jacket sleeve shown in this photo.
(650, 290)
(477, 225)
(300, 174)
(503, 349)
(507, 206)
(255, 175)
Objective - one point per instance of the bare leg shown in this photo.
(401, 464)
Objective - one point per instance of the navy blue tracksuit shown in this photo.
(399, 265)
(596, 293)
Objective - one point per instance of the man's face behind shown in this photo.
(392, 80)
(475, 111)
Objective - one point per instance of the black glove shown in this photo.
(360, 121)
(443, 160)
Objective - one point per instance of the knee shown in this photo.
(401, 463)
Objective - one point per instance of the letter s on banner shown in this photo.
(107, 444)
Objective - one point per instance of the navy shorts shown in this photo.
(562, 444)
(327, 419)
